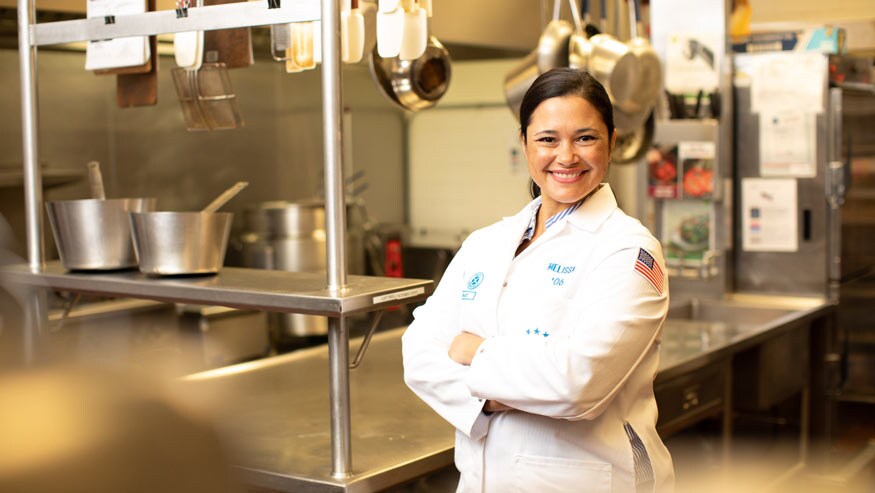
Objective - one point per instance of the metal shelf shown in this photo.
(226, 16)
(253, 289)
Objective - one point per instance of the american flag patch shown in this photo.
(646, 266)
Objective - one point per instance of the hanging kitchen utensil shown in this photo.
(303, 45)
(280, 39)
(588, 27)
(139, 89)
(612, 64)
(414, 35)
(352, 32)
(185, 84)
(579, 46)
(553, 42)
(414, 84)
(207, 99)
(233, 46)
(551, 52)
(632, 145)
(216, 97)
(644, 97)
(188, 47)
(390, 28)
(137, 85)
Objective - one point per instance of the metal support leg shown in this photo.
(35, 321)
(727, 422)
(338, 362)
(33, 185)
(335, 226)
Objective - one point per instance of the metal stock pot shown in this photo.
(291, 236)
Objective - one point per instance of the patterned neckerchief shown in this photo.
(555, 218)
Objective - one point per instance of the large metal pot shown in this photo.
(649, 83)
(291, 236)
(551, 52)
(414, 84)
(175, 243)
(95, 234)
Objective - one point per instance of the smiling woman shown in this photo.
(540, 345)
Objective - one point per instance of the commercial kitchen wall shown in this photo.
(147, 151)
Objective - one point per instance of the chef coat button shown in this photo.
(479, 400)
(504, 284)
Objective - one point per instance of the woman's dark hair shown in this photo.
(560, 82)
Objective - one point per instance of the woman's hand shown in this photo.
(463, 347)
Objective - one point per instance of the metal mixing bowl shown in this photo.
(95, 234)
(174, 243)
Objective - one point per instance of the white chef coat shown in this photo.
(572, 335)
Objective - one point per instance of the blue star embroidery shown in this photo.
(528, 331)
(537, 331)
(546, 334)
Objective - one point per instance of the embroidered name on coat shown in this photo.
(560, 269)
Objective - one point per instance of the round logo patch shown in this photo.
(475, 280)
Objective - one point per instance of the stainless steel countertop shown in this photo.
(689, 344)
(276, 410)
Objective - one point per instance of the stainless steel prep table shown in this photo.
(276, 410)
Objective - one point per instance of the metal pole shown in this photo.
(332, 128)
(335, 255)
(35, 309)
(33, 185)
(835, 179)
(338, 361)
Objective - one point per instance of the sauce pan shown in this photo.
(177, 243)
(94, 234)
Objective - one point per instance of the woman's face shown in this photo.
(568, 149)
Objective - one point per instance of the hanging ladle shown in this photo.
(227, 195)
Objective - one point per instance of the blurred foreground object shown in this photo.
(73, 430)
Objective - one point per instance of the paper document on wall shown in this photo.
(769, 221)
(788, 82)
(119, 52)
(692, 62)
(788, 144)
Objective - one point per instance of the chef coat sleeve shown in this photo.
(428, 369)
(613, 321)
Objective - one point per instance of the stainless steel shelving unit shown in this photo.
(251, 289)
(334, 296)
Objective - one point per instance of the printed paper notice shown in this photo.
(691, 62)
(119, 52)
(769, 215)
(788, 144)
(788, 81)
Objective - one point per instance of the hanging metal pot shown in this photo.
(649, 82)
(632, 145)
(551, 52)
(611, 63)
(415, 84)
